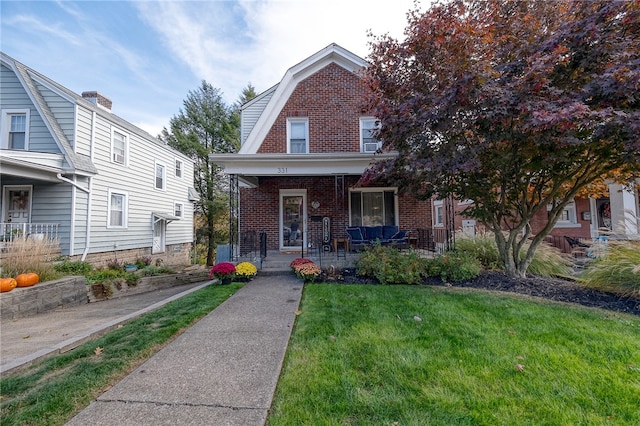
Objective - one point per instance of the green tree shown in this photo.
(206, 125)
(516, 105)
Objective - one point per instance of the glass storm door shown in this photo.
(159, 228)
(293, 220)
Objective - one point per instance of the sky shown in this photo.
(147, 55)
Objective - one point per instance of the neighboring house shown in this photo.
(305, 144)
(614, 216)
(72, 170)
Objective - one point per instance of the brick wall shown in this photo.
(260, 207)
(332, 100)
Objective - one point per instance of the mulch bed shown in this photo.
(549, 288)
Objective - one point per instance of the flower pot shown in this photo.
(225, 280)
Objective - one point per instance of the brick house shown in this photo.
(305, 143)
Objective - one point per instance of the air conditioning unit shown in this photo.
(371, 147)
(118, 158)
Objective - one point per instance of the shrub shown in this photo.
(454, 266)
(143, 261)
(75, 267)
(389, 266)
(618, 270)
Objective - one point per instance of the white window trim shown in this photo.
(438, 205)
(175, 168)
(362, 121)
(573, 217)
(5, 126)
(125, 208)
(382, 189)
(164, 177)
(176, 203)
(126, 146)
(304, 120)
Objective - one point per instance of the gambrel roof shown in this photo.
(280, 93)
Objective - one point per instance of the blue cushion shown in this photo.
(388, 231)
(400, 235)
(355, 234)
(374, 233)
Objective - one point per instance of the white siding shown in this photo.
(252, 111)
(137, 179)
(14, 96)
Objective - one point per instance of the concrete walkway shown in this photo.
(221, 371)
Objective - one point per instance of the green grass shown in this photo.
(359, 356)
(52, 391)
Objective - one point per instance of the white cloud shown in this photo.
(230, 44)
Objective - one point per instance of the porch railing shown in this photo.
(12, 231)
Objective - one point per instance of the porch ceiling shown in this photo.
(249, 167)
(41, 170)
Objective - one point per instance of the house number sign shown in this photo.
(282, 170)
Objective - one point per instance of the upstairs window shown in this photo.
(16, 129)
(119, 148)
(297, 136)
(160, 176)
(368, 128)
(178, 169)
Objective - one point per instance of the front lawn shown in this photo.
(363, 355)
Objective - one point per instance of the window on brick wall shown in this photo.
(297, 135)
(372, 207)
(568, 218)
(438, 213)
(368, 127)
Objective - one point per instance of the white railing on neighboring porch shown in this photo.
(12, 231)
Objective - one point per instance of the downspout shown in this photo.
(88, 191)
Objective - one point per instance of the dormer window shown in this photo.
(297, 135)
(16, 133)
(368, 128)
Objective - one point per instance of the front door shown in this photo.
(159, 230)
(17, 204)
(293, 219)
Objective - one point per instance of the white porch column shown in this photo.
(624, 211)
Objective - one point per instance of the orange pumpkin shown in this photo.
(7, 284)
(27, 280)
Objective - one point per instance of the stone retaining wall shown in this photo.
(42, 297)
(73, 291)
(98, 292)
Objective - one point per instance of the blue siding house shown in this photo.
(73, 171)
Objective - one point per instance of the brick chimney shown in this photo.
(98, 99)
